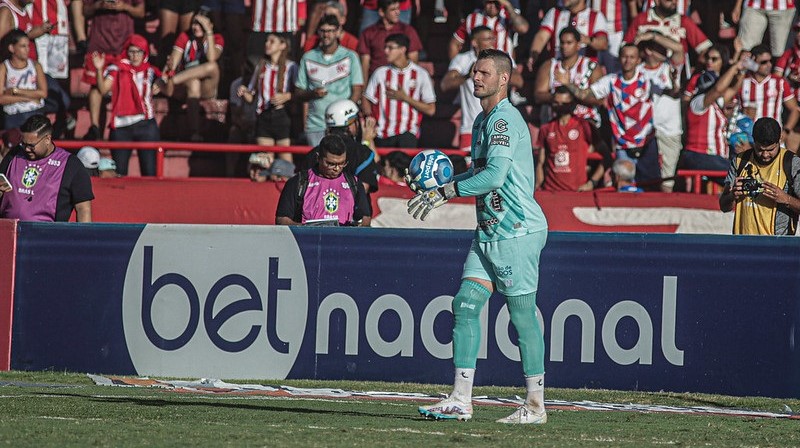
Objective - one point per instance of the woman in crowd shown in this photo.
(192, 72)
(272, 87)
(22, 81)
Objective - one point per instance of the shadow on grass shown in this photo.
(158, 402)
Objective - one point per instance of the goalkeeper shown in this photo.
(511, 233)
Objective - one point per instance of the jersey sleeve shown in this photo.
(371, 91)
(427, 93)
(181, 41)
(782, 63)
(602, 87)
(80, 189)
(633, 29)
(502, 136)
(219, 41)
(302, 76)
(696, 38)
(415, 44)
(286, 203)
(549, 21)
(788, 92)
(460, 33)
(356, 76)
(600, 25)
(459, 64)
(541, 136)
(363, 207)
(362, 47)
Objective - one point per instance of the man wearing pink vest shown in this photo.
(325, 192)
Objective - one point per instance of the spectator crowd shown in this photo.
(660, 84)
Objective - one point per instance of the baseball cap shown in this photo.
(282, 168)
(89, 156)
(106, 165)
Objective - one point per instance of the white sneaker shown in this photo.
(448, 409)
(524, 415)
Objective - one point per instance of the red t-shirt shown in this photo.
(373, 38)
(110, 30)
(567, 149)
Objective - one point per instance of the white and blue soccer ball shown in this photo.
(430, 169)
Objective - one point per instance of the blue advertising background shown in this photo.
(737, 305)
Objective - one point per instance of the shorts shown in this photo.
(512, 265)
(226, 6)
(89, 73)
(274, 124)
(180, 6)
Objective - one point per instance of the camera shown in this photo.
(750, 185)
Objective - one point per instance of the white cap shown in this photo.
(89, 156)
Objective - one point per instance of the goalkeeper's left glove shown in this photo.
(425, 201)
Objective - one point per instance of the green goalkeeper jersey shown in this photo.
(501, 146)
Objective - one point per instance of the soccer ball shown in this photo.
(430, 169)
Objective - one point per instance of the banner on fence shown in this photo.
(622, 311)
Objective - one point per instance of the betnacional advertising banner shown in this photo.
(649, 312)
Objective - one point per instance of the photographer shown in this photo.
(763, 185)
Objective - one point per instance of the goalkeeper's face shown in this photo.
(486, 79)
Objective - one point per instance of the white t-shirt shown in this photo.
(470, 105)
(666, 109)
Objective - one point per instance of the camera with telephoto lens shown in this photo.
(750, 185)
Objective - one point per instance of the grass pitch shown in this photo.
(63, 409)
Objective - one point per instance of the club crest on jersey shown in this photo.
(573, 134)
(500, 125)
(30, 176)
(331, 199)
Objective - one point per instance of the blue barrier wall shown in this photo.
(622, 311)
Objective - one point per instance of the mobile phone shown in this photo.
(4, 181)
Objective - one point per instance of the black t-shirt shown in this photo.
(76, 185)
(290, 205)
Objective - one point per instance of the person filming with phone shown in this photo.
(42, 182)
(763, 185)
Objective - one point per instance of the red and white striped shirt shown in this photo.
(766, 97)
(396, 117)
(683, 6)
(277, 16)
(769, 5)
(705, 129)
(268, 83)
(612, 11)
(125, 111)
(53, 11)
(499, 25)
(589, 22)
(677, 27)
(579, 74)
(192, 52)
(22, 21)
(630, 108)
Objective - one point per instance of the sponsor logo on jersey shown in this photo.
(500, 125)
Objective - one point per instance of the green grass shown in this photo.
(78, 413)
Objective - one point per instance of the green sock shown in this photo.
(467, 306)
(531, 340)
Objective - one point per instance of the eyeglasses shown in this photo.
(135, 50)
(334, 165)
(24, 145)
(327, 30)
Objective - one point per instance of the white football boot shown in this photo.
(448, 409)
(523, 415)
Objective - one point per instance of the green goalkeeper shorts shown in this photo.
(512, 265)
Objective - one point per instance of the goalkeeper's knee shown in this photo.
(522, 310)
(467, 306)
